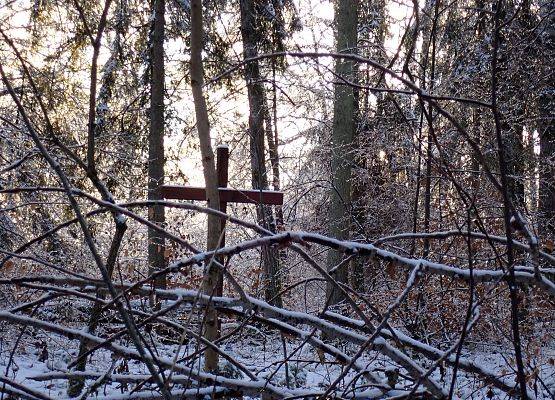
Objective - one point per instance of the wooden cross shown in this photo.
(178, 192)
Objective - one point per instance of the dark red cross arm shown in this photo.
(227, 195)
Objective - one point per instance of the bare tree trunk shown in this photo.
(475, 181)
(513, 98)
(272, 284)
(360, 268)
(76, 385)
(547, 167)
(430, 55)
(156, 243)
(212, 274)
(343, 133)
(512, 125)
(547, 129)
(507, 209)
(417, 326)
(272, 139)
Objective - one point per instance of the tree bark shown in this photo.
(547, 128)
(76, 385)
(368, 165)
(273, 152)
(212, 274)
(428, 84)
(514, 97)
(156, 242)
(256, 95)
(343, 133)
(477, 118)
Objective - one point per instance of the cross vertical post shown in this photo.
(222, 168)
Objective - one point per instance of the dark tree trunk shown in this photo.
(343, 134)
(514, 93)
(547, 128)
(272, 139)
(256, 97)
(477, 118)
(368, 165)
(428, 84)
(156, 243)
(513, 127)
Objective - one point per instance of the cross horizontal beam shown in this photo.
(228, 195)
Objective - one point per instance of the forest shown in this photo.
(277, 199)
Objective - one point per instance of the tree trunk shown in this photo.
(255, 89)
(477, 119)
(547, 128)
(156, 242)
(272, 139)
(514, 92)
(367, 165)
(343, 133)
(212, 274)
(429, 57)
(76, 384)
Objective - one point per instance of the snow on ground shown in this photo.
(261, 352)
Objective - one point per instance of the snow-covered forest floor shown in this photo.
(41, 360)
